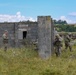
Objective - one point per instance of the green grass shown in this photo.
(25, 61)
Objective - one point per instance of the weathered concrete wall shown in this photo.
(52, 36)
(13, 30)
(33, 31)
(10, 28)
(31, 28)
(45, 36)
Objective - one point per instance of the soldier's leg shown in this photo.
(59, 51)
(70, 47)
(66, 46)
(56, 51)
(5, 47)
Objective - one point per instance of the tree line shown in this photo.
(60, 22)
(63, 26)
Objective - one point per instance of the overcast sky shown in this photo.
(22, 10)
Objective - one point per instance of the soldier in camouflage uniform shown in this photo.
(58, 44)
(5, 39)
(67, 41)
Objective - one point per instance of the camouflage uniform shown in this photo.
(58, 45)
(67, 41)
(5, 40)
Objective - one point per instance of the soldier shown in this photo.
(58, 44)
(67, 41)
(5, 39)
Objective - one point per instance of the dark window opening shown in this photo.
(24, 34)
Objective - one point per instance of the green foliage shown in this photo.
(59, 22)
(25, 61)
(65, 28)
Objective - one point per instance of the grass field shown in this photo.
(25, 61)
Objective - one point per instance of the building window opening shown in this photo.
(24, 34)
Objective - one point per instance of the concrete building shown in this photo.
(43, 31)
(18, 31)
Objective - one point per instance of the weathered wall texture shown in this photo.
(10, 27)
(16, 30)
(45, 36)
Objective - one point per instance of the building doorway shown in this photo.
(24, 34)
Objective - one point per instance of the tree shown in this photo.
(66, 28)
(59, 22)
